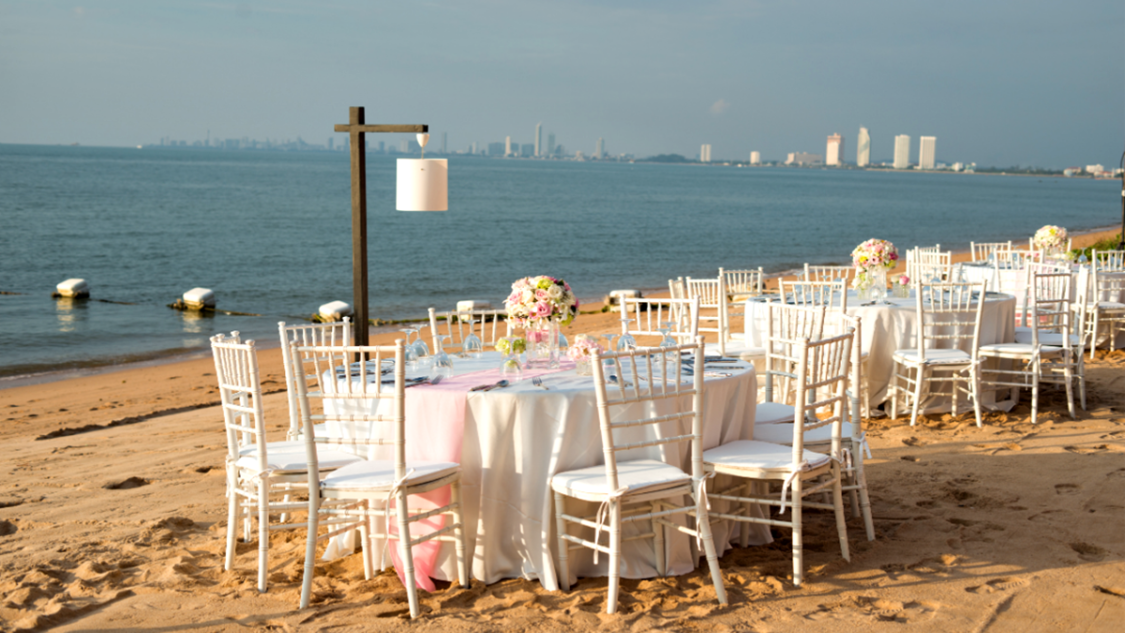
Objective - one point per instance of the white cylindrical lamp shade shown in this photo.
(422, 184)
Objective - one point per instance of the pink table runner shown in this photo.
(435, 427)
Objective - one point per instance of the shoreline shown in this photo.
(1082, 238)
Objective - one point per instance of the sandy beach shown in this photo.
(112, 518)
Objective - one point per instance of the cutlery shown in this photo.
(613, 379)
(496, 385)
(538, 382)
(424, 381)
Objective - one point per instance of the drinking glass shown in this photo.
(666, 330)
(608, 346)
(409, 354)
(510, 368)
(563, 343)
(422, 354)
(442, 362)
(472, 347)
(626, 342)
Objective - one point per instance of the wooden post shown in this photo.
(357, 131)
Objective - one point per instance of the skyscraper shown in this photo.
(599, 150)
(835, 152)
(926, 146)
(507, 146)
(902, 151)
(538, 139)
(863, 148)
(755, 158)
(705, 153)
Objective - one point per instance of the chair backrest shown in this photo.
(983, 250)
(713, 306)
(676, 288)
(1007, 259)
(1108, 282)
(833, 295)
(785, 325)
(1109, 260)
(828, 273)
(949, 316)
(822, 373)
(649, 315)
(936, 248)
(743, 282)
(352, 394)
(489, 326)
(650, 390)
(1080, 304)
(925, 265)
(1050, 306)
(240, 394)
(330, 334)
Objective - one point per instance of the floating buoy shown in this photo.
(473, 304)
(334, 311)
(196, 299)
(75, 288)
(615, 296)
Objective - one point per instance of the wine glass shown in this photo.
(563, 343)
(471, 346)
(510, 368)
(608, 346)
(442, 362)
(409, 354)
(666, 330)
(626, 342)
(422, 354)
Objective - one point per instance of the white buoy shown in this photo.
(77, 288)
(615, 296)
(473, 304)
(335, 311)
(199, 298)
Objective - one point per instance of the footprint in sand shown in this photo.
(1087, 450)
(126, 484)
(1000, 584)
(1088, 552)
(1066, 489)
(7, 528)
(913, 441)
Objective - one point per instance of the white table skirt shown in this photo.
(893, 326)
(517, 438)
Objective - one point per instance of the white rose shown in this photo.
(555, 293)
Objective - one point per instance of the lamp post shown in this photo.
(357, 131)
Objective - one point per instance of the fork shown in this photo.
(538, 382)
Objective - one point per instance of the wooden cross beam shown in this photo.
(356, 129)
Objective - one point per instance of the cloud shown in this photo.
(719, 106)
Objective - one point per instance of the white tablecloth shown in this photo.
(516, 438)
(894, 325)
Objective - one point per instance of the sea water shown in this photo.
(270, 233)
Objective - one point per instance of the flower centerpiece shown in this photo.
(901, 286)
(1051, 239)
(872, 259)
(582, 353)
(540, 305)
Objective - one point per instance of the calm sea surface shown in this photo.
(269, 232)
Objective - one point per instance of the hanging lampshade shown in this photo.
(422, 184)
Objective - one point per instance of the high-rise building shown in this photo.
(926, 152)
(496, 149)
(551, 144)
(803, 158)
(599, 149)
(902, 151)
(538, 139)
(863, 148)
(705, 153)
(755, 158)
(507, 146)
(835, 152)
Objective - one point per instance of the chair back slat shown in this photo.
(650, 314)
(649, 388)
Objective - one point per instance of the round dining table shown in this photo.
(511, 440)
(891, 325)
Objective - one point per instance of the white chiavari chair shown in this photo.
(949, 318)
(822, 368)
(1109, 261)
(828, 273)
(741, 284)
(363, 491)
(1106, 311)
(982, 251)
(319, 334)
(257, 470)
(713, 308)
(649, 393)
(785, 326)
(1050, 313)
(924, 266)
(650, 315)
(489, 326)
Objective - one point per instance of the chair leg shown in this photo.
(1034, 395)
(703, 524)
(795, 494)
(743, 526)
(564, 545)
(1094, 334)
(365, 534)
(406, 554)
(841, 520)
(658, 542)
(893, 388)
(1068, 375)
(1082, 378)
(233, 509)
(974, 376)
(310, 548)
(920, 380)
(461, 544)
(864, 498)
(614, 555)
(263, 531)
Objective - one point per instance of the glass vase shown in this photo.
(583, 366)
(543, 344)
(877, 288)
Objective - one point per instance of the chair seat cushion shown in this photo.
(289, 457)
(1015, 349)
(642, 475)
(379, 474)
(934, 356)
(1047, 338)
(783, 433)
(774, 413)
(1111, 305)
(758, 455)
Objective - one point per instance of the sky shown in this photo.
(999, 83)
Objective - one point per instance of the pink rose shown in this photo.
(542, 309)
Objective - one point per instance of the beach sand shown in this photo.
(112, 517)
